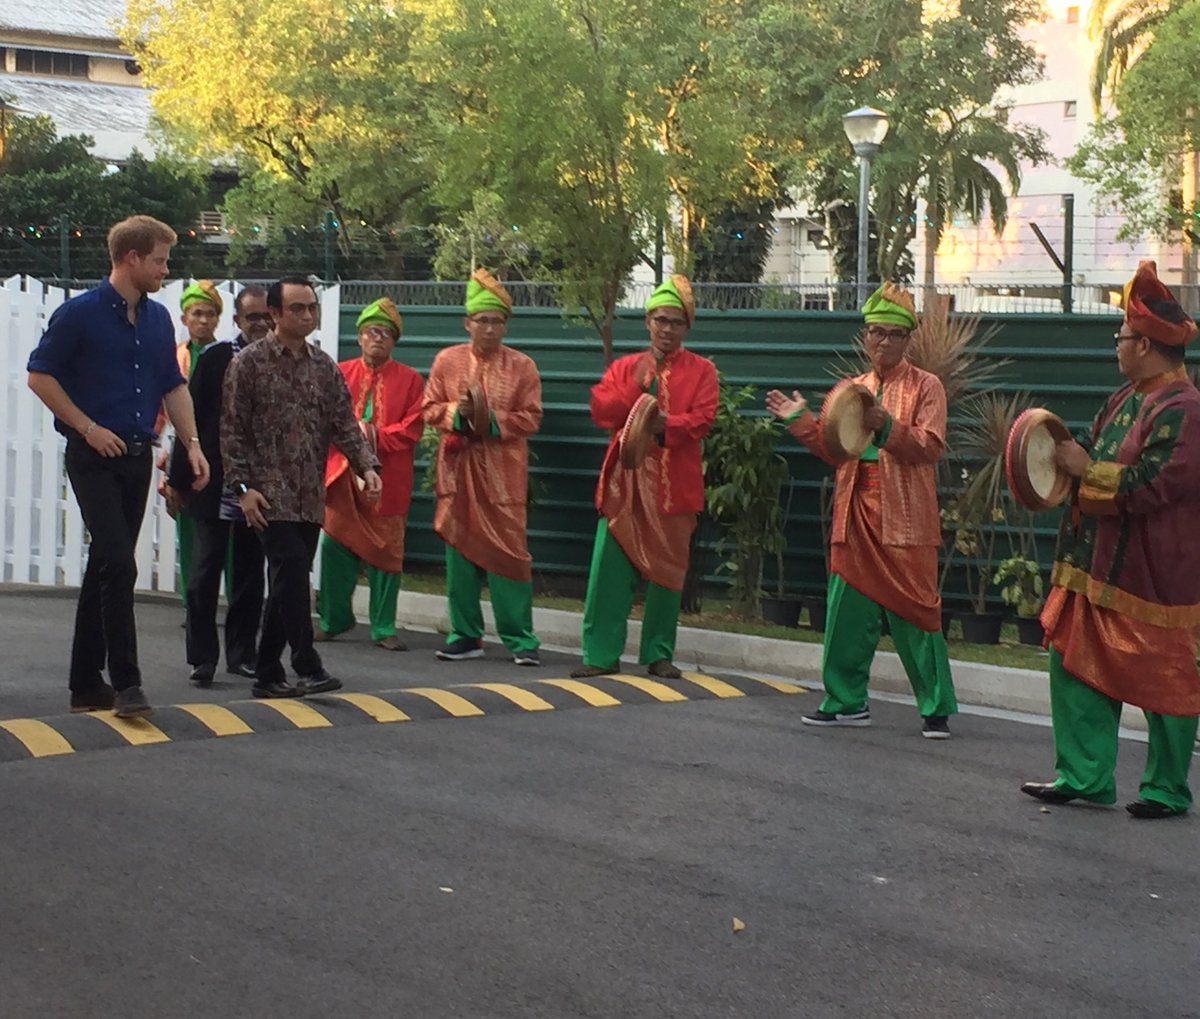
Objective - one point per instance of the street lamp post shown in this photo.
(866, 128)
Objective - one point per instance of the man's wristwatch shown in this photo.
(241, 488)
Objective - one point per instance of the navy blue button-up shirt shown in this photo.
(115, 372)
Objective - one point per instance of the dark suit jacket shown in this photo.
(208, 377)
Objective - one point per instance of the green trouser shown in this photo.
(611, 583)
(340, 570)
(1085, 744)
(852, 626)
(512, 605)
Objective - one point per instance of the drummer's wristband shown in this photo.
(885, 431)
(457, 424)
(792, 417)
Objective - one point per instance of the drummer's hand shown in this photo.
(464, 411)
(875, 418)
(1072, 458)
(660, 423)
(782, 407)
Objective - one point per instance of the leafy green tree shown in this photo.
(588, 121)
(936, 77)
(314, 101)
(1123, 29)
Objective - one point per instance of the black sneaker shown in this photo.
(527, 658)
(131, 703)
(845, 718)
(319, 682)
(99, 699)
(936, 727)
(461, 650)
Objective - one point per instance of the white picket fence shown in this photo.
(44, 540)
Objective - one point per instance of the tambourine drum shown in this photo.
(638, 433)
(478, 414)
(1033, 478)
(842, 428)
(372, 440)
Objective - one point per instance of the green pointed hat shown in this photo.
(674, 293)
(890, 306)
(201, 290)
(485, 293)
(381, 313)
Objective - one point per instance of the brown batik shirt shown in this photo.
(280, 413)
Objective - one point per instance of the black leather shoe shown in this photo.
(202, 675)
(1148, 810)
(99, 699)
(274, 688)
(245, 671)
(1047, 792)
(319, 682)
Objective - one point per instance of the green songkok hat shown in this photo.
(381, 313)
(674, 293)
(485, 293)
(201, 290)
(890, 306)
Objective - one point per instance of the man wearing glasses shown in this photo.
(648, 513)
(386, 397)
(1122, 614)
(284, 403)
(222, 535)
(482, 484)
(886, 527)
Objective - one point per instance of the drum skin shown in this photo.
(842, 429)
(1033, 478)
(638, 432)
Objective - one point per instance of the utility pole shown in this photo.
(1066, 264)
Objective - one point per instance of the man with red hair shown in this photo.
(1121, 619)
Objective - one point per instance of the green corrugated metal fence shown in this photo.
(1066, 362)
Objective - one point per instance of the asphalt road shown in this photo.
(568, 863)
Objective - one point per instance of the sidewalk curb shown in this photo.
(987, 686)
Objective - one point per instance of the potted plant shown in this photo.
(1020, 581)
(745, 477)
(982, 509)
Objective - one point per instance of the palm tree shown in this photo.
(1123, 29)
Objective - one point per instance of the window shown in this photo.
(816, 237)
(1069, 110)
(1072, 15)
(60, 65)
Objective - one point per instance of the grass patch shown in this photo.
(1009, 653)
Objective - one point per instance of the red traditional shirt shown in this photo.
(687, 394)
(916, 439)
(394, 393)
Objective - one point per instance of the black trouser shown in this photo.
(289, 546)
(214, 541)
(111, 492)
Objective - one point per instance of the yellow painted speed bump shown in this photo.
(300, 715)
(37, 737)
(376, 707)
(524, 699)
(137, 732)
(716, 687)
(220, 721)
(659, 691)
(450, 702)
(590, 695)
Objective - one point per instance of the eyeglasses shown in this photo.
(256, 316)
(304, 309)
(490, 323)
(379, 332)
(879, 334)
(660, 322)
(1122, 337)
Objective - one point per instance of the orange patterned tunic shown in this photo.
(482, 483)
